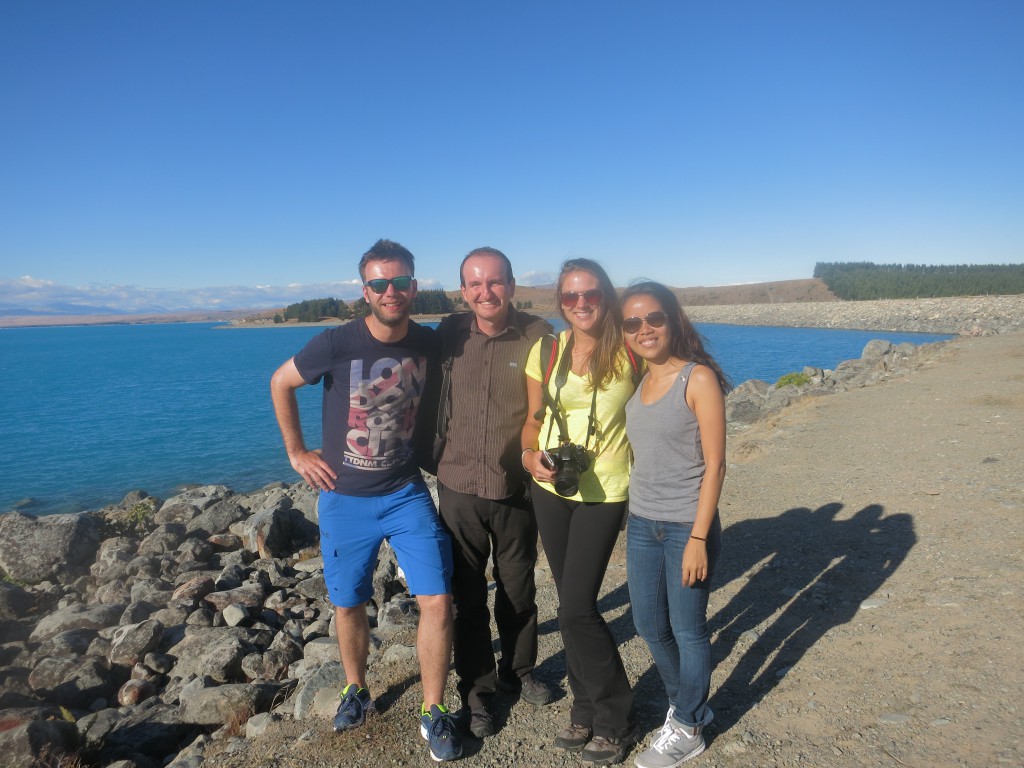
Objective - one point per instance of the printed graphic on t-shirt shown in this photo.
(382, 411)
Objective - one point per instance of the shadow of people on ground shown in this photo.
(806, 572)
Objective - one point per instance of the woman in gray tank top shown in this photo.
(676, 425)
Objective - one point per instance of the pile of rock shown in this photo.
(755, 399)
(147, 628)
(961, 315)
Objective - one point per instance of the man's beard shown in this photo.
(390, 322)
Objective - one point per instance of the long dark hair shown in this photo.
(606, 361)
(685, 343)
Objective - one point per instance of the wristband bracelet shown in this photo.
(522, 456)
(698, 538)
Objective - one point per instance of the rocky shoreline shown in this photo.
(176, 632)
(963, 316)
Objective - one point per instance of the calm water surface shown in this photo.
(90, 413)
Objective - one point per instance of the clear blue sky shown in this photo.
(151, 149)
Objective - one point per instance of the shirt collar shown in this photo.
(514, 324)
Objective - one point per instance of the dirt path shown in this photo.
(907, 495)
(867, 609)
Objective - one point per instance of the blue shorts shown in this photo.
(353, 527)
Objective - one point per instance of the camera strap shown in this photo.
(561, 377)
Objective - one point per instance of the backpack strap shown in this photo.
(548, 351)
(634, 367)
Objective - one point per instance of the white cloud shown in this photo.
(537, 278)
(32, 295)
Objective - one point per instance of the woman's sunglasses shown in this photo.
(653, 319)
(592, 297)
(380, 284)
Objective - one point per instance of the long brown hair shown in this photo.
(606, 360)
(685, 343)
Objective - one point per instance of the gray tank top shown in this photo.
(668, 460)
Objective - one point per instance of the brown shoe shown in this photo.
(535, 692)
(529, 688)
(605, 751)
(481, 723)
(574, 738)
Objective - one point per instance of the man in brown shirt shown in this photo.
(481, 487)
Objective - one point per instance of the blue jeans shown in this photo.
(671, 618)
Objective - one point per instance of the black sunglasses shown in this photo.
(380, 284)
(592, 297)
(653, 319)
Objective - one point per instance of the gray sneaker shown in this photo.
(673, 745)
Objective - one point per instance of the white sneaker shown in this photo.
(673, 745)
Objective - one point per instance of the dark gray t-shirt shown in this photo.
(372, 391)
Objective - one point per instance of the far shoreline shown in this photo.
(956, 316)
(959, 316)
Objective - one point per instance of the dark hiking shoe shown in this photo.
(481, 723)
(574, 738)
(606, 751)
(529, 688)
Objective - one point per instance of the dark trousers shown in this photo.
(578, 540)
(509, 528)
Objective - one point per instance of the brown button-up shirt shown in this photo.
(488, 403)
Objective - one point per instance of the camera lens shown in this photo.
(567, 481)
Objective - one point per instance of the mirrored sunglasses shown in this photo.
(592, 297)
(380, 284)
(653, 319)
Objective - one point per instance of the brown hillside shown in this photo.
(782, 291)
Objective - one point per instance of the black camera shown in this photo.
(570, 461)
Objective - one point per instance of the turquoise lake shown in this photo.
(90, 413)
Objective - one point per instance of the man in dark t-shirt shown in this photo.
(374, 371)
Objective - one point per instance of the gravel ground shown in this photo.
(867, 610)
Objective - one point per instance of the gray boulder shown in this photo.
(217, 519)
(132, 642)
(224, 704)
(329, 677)
(268, 530)
(156, 591)
(176, 512)
(215, 651)
(37, 743)
(202, 497)
(745, 404)
(94, 727)
(876, 349)
(250, 595)
(71, 642)
(386, 581)
(154, 731)
(76, 617)
(193, 590)
(74, 682)
(398, 614)
(115, 592)
(56, 547)
(164, 538)
(15, 602)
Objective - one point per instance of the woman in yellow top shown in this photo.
(575, 448)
